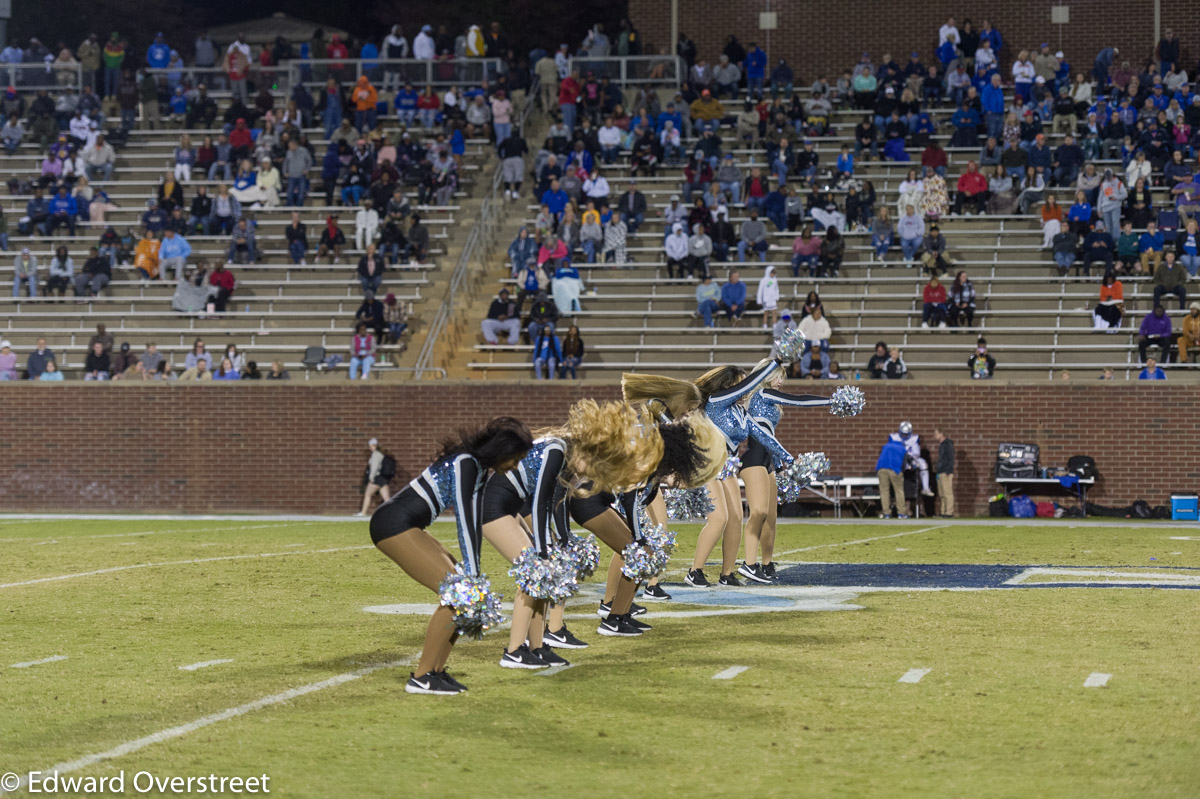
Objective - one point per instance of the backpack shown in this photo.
(1083, 465)
(1022, 507)
(387, 469)
(1045, 510)
(998, 507)
(1140, 509)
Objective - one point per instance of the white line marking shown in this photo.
(901, 549)
(859, 541)
(177, 563)
(730, 672)
(27, 664)
(205, 721)
(914, 675)
(556, 669)
(1109, 576)
(204, 664)
(1097, 679)
(163, 532)
(44, 543)
(1184, 537)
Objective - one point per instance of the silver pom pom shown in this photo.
(584, 553)
(847, 401)
(688, 504)
(639, 561)
(566, 576)
(475, 607)
(662, 542)
(789, 346)
(534, 575)
(733, 465)
(801, 472)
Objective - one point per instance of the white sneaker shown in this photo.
(941, 325)
(360, 513)
(924, 325)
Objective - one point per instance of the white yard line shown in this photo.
(730, 673)
(555, 670)
(160, 532)
(914, 675)
(113, 569)
(859, 541)
(1097, 679)
(27, 664)
(204, 664)
(184, 729)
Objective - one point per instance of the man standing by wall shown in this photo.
(890, 469)
(945, 472)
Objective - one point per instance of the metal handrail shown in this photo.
(26, 77)
(312, 72)
(632, 70)
(489, 210)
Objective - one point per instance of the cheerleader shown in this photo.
(398, 528)
(725, 391)
(763, 455)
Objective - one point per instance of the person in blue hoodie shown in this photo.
(890, 470)
(158, 54)
(992, 98)
(733, 297)
(406, 105)
(62, 211)
(524, 248)
(173, 253)
(547, 354)
(755, 66)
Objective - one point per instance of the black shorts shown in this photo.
(758, 455)
(500, 499)
(381, 481)
(584, 509)
(405, 511)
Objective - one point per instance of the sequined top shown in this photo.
(536, 477)
(457, 482)
(728, 415)
(764, 410)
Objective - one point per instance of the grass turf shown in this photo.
(819, 712)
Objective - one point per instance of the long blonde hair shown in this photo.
(613, 447)
(717, 379)
(678, 397)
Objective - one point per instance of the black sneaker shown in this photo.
(637, 624)
(549, 657)
(769, 570)
(563, 639)
(445, 676)
(752, 572)
(604, 609)
(430, 683)
(636, 610)
(618, 626)
(696, 579)
(728, 579)
(655, 593)
(522, 658)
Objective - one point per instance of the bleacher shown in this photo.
(1036, 323)
(278, 309)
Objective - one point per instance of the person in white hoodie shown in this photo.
(609, 138)
(423, 44)
(768, 297)
(676, 247)
(366, 225)
(817, 333)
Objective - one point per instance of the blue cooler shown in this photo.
(1185, 507)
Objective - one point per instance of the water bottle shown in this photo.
(857, 375)
(247, 309)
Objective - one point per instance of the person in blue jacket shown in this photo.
(62, 211)
(733, 297)
(547, 354)
(755, 66)
(158, 54)
(992, 98)
(890, 470)
(406, 105)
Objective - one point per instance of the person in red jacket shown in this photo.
(934, 296)
(568, 96)
(934, 157)
(240, 140)
(972, 188)
(222, 280)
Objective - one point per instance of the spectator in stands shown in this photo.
(817, 334)
(700, 248)
(1052, 218)
(882, 236)
(981, 364)
(1098, 245)
(833, 250)
(1112, 197)
(1152, 371)
(1189, 338)
(226, 212)
(201, 371)
(61, 274)
(632, 205)
(297, 162)
(912, 234)
(1155, 331)
(62, 210)
(243, 248)
(878, 361)
(708, 299)
(95, 367)
(503, 317)
(1109, 311)
(1068, 160)
(51, 374)
(933, 252)
(1065, 247)
(1171, 278)
(370, 312)
(362, 352)
(542, 315)
(332, 240)
(1033, 189)
(145, 256)
(199, 354)
(297, 239)
(1079, 215)
(370, 270)
(935, 199)
(572, 353)
(972, 188)
(1187, 247)
(753, 237)
(894, 368)
(8, 362)
(1140, 204)
(35, 364)
(961, 308)
(547, 354)
(733, 298)
(934, 309)
(768, 297)
(223, 281)
(1150, 249)
(173, 252)
(151, 359)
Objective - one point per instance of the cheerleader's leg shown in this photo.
(425, 560)
(610, 528)
(657, 510)
(766, 543)
(731, 539)
(509, 537)
(715, 525)
(759, 490)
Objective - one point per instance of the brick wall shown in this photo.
(302, 448)
(830, 37)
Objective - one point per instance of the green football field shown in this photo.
(899, 659)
